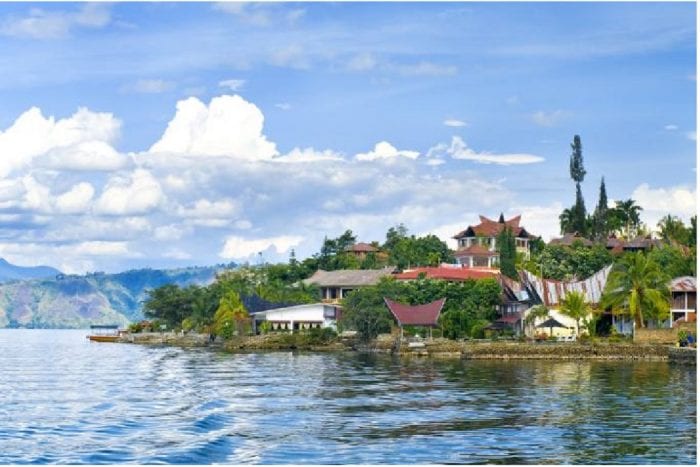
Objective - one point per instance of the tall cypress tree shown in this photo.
(600, 215)
(507, 253)
(577, 172)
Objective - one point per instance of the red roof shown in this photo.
(416, 315)
(448, 274)
(362, 247)
(491, 228)
(475, 250)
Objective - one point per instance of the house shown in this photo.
(451, 272)
(416, 315)
(683, 299)
(361, 250)
(476, 245)
(298, 317)
(618, 245)
(569, 239)
(335, 285)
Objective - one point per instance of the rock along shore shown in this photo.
(436, 348)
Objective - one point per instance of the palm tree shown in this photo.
(628, 212)
(637, 287)
(566, 220)
(574, 306)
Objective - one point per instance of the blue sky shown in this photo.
(170, 134)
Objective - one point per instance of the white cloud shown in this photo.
(362, 62)
(691, 135)
(454, 122)
(228, 126)
(459, 150)
(150, 86)
(426, 69)
(86, 156)
(33, 135)
(176, 253)
(657, 202)
(41, 24)
(549, 119)
(232, 84)
(170, 232)
(384, 150)
(217, 211)
(76, 200)
(251, 13)
(241, 248)
(138, 194)
(298, 155)
(37, 197)
(671, 127)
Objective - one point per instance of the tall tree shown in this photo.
(600, 215)
(673, 230)
(506, 248)
(577, 172)
(627, 212)
(637, 287)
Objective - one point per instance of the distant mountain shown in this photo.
(76, 301)
(9, 272)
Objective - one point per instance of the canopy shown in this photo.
(551, 323)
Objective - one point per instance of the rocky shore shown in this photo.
(436, 348)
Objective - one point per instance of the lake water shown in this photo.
(64, 399)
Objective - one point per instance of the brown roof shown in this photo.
(491, 228)
(449, 274)
(569, 238)
(416, 315)
(348, 277)
(362, 248)
(635, 244)
(475, 250)
(684, 284)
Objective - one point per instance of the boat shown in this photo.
(105, 333)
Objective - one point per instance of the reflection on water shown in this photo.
(66, 400)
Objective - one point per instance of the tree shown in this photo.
(672, 230)
(574, 306)
(230, 315)
(577, 172)
(627, 212)
(600, 215)
(536, 312)
(506, 248)
(566, 221)
(637, 287)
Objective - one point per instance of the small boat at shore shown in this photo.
(105, 333)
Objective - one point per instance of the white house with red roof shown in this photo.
(476, 245)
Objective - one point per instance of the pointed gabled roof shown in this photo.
(416, 315)
(491, 228)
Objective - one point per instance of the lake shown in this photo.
(64, 399)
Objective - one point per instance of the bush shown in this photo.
(477, 330)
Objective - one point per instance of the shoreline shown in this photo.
(437, 348)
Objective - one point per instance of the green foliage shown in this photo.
(419, 251)
(478, 329)
(231, 316)
(674, 261)
(574, 306)
(506, 248)
(265, 327)
(536, 312)
(673, 231)
(624, 218)
(576, 161)
(466, 302)
(566, 263)
(639, 288)
(599, 222)
(579, 221)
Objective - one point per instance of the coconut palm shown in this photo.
(574, 306)
(637, 287)
(628, 212)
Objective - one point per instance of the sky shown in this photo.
(175, 134)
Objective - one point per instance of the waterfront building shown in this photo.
(416, 315)
(476, 245)
(361, 250)
(683, 300)
(298, 317)
(335, 285)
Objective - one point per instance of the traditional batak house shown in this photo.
(416, 315)
(476, 245)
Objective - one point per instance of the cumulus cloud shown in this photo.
(241, 248)
(458, 150)
(85, 156)
(139, 193)
(229, 126)
(657, 202)
(33, 135)
(41, 24)
(549, 119)
(76, 200)
(384, 150)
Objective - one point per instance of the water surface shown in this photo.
(64, 400)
